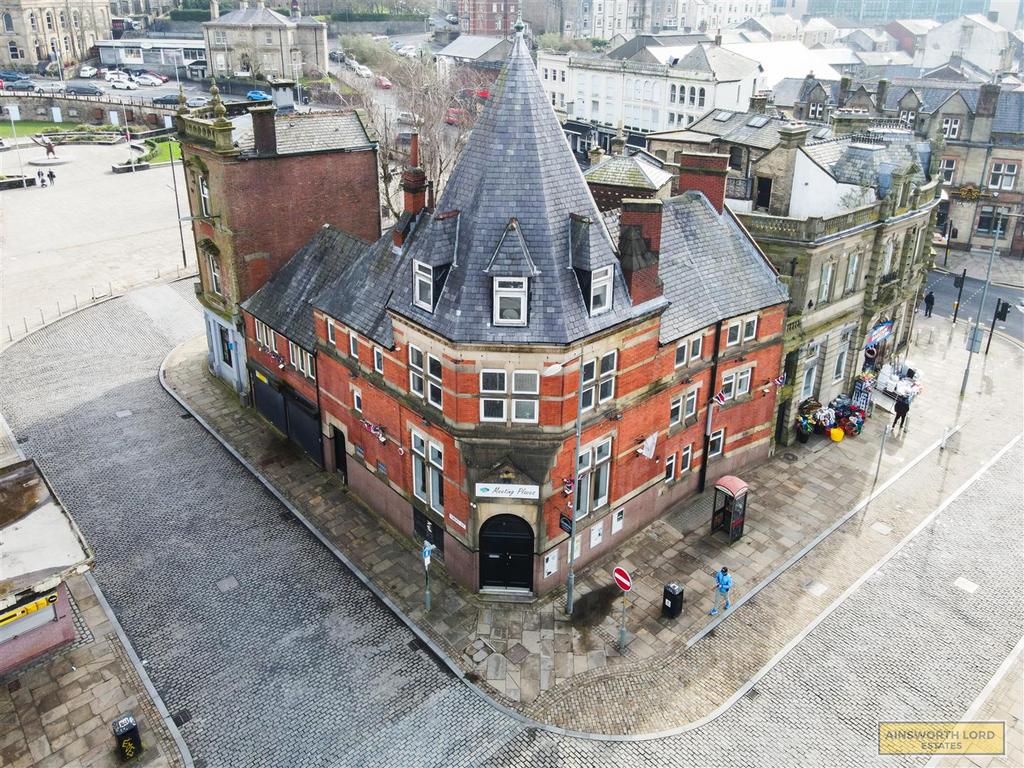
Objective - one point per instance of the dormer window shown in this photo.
(423, 286)
(510, 301)
(601, 291)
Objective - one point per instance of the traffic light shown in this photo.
(1002, 309)
(958, 281)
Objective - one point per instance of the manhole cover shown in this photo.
(517, 653)
(752, 694)
(790, 457)
(185, 416)
(182, 717)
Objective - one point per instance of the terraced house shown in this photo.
(453, 354)
(845, 213)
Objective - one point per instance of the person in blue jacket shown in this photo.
(723, 583)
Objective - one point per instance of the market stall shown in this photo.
(894, 381)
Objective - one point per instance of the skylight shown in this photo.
(722, 116)
(757, 121)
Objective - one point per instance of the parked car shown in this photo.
(363, 71)
(116, 74)
(148, 80)
(455, 116)
(84, 89)
(10, 74)
(451, 18)
(352, 63)
(50, 88)
(21, 85)
(195, 102)
(257, 96)
(87, 72)
(123, 85)
(409, 51)
(382, 82)
(409, 118)
(336, 56)
(167, 98)
(157, 75)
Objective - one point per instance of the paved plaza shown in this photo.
(281, 656)
(92, 234)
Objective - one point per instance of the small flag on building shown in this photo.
(720, 398)
(780, 380)
(649, 445)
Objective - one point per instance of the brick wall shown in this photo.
(705, 173)
(288, 374)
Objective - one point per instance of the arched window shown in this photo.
(12, 49)
(657, 92)
(75, 19)
(49, 21)
(63, 20)
(648, 90)
(693, 95)
(32, 23)
(8, 22)
(672, 93)
(67, 44)
(700, 97)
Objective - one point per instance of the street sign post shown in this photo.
(625, 583)
(425, 552)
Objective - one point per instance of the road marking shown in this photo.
(966, 585)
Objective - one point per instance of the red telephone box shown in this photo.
(729, 511)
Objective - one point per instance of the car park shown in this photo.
(87, 72)
(167, 98)
(197, 101)
(382, 82)
(84, 89)
(148, 80)
(123, 85)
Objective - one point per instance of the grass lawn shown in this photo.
(26, 127)
(163, 151)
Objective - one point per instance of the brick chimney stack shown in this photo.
(705, 172)
(639, 248)
(264, 129)
(759, 102)
(988, 97)
(414, 181)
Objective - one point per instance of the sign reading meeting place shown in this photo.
(506, 491)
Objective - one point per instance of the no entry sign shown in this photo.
(622, 579)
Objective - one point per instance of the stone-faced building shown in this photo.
(256, 197)
(452, 353)
(34, 31)
(847, 220)
(264, 43)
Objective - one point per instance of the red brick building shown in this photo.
(256, 197)
(493, 18)
(452, 354)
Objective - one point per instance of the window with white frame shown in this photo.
(600, 290)
(428, 472)
(670, 468)
(492, 382)
(551, 563)
(690, 404)
(675, 411)
(357, 399)
(717, 443)
(434, 389)
(301, 360)
(947, 167)
(681, 350)
(685, 458)
(213, 267)
(204, 197)
(596, 534)
(599, 379)
(815, 110)
(1003, 175)
(353, 345)
(265, 336)
(810, 372)
(595, 463)
(509, 301)
(907, 117)
(525, 391)
(951, 127)
(417, 383)
(696, 347)
(220, 37)
(330, 331)
(750, 328)
(825, 282)
(618, 519)
(852, 264)
(423, 286)
(732, 335)
(378, 360)
(736, 383)
(840, 368)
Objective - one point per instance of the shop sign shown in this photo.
(507, 491)
(878, 334)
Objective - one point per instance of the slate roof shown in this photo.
(871, 160)
(795, 89)
(1009, 113)
(516, 165)
(640, 43)
(736, 130)
(470, 46)
(302, 132)
(709, 267)
(932, 97)
(256, 17)
(632, 171)
(285, 302)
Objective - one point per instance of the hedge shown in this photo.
(190, 14)
(346, 16)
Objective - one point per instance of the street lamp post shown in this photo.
(570, 578)
(17, 150)
(174, 175)
(975, 334)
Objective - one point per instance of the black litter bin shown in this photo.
(126, 732)
(672, 600)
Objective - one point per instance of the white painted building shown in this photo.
(677, 86)
(973, 39)
(606, 18)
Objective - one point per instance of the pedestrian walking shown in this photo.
(723, 583)
(51, 176)
(902, 409)
(39, 178)
(929, 302)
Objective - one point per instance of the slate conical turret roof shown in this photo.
(514, 189)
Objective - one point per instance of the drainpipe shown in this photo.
(711, 408)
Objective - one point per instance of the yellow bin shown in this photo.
(836, 434)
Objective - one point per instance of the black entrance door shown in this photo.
(269, 402)
(506, 553)
(304, 428)
(340, 454)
